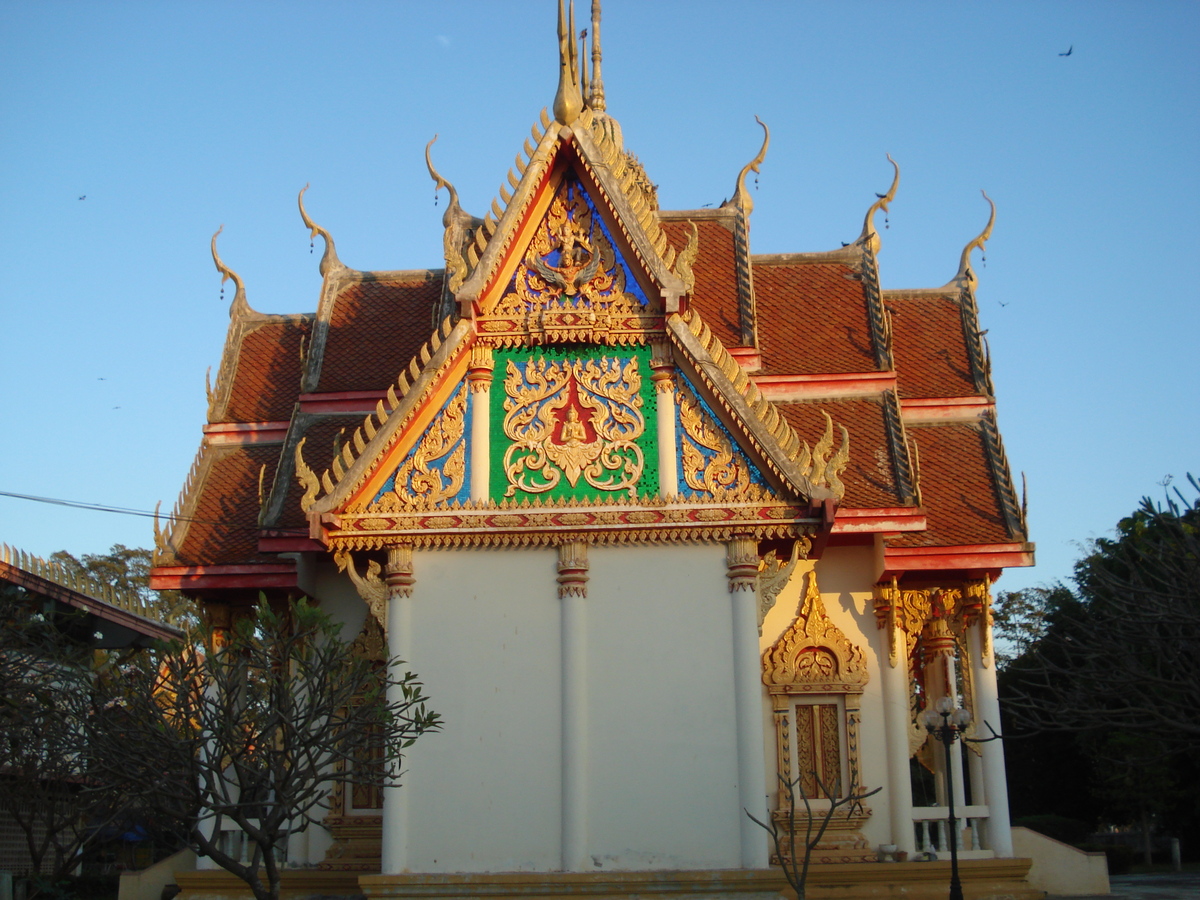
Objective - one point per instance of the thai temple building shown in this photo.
(655, 519)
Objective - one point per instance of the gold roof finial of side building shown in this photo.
(568, 103)
(964, 265)
(869, 234)
(239, 305)
(329, 260)
(741, 197)
(595, 88)
(458, 225)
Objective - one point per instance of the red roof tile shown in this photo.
(957, 490)
(375, 330)
(812, 319)
(267, 378)
(715, 295)
(929, 348)
(318, 455)
(224, 523)
(869, 478)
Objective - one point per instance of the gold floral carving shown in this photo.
(546, 447)
(773, 576)
(724, 472)
(813, 654)
(370, 586)
(941, 615)
(816, 676)
(417, 479)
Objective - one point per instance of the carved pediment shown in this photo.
(813, 654)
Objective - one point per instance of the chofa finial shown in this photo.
(329, 260)
(239, 304)
(595, 88)
(568, 103)
(869, 234)
(741, 197)
(964, 264)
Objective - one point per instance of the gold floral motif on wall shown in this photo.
(726, 470)
(435, 470)
(572, 419)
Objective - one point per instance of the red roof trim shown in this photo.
(191, 578)
(945, 409)
(826, 387)
(885, 520)
(245, 432)
(967, 556)
(341, 401)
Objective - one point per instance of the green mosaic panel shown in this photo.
(573, 422)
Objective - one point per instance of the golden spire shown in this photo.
(595, 97)
(741, 197)
(964, 265)
(239, 304)
(568, 103)
(869, 234)
(329, 260)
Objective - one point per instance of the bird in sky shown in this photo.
(1070, 50)
(83, 196)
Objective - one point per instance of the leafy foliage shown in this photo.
(46, 678)
(248, 729)
(1108, 675)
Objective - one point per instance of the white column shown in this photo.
(897, 723)
(987, 709)
(400, 583)
(742, 570)
(572, 592)
(479, 377)
(664, 385)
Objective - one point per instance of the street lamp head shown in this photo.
(961, 718)
(945, 706)
(931, 719)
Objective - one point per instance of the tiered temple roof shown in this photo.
(906, 373)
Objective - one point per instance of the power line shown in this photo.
(120, 510)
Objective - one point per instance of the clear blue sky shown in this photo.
(173, 118)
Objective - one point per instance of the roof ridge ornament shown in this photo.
(965, 272)
(239, 306)
(329, 260)
(741, 197)
(458, 224)
(869, 234)
(568, 103)
(595, 88)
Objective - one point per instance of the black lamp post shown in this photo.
(946, 723)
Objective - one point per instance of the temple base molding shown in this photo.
(982, 879)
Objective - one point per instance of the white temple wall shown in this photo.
(483, 793)
(662, 791)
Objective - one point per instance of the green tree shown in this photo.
(1110, 671)
(46, 680)
(247, 735)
